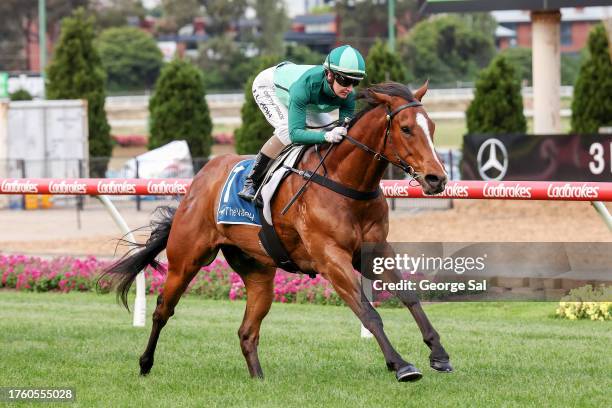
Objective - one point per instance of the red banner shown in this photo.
(505, 190)
(500, 190)
(95, 186)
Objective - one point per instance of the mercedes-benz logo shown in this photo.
(492, 160)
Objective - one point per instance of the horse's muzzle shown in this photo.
(433, 184)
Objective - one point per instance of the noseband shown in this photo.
(401, 163)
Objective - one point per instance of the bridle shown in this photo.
(346, 191)
(401, 163)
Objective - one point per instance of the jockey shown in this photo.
(293, 97)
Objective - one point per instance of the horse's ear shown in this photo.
(382, 98)
(419, 93)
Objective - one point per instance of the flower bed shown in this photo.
(215, 281)
(587, 302)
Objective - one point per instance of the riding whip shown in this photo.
(303, 188)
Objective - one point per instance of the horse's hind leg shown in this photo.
(259, 283)
(185, 258)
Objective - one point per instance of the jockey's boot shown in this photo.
(255, 177)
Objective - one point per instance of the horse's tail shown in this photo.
(124, 271)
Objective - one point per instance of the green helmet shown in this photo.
(347, 61)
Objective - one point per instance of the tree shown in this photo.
(178, 109)
(226, 66)
(445, 49)
(222, 13)
(224, 63)
(302, 55)
(18, 22)
(11, 41)
(592, 103)
(481, 22)
(570, 67)
(383, 65)
(498, 105)
(130, 57)
(273, 23)
(255, 129)
(76, 72)
(521, 59)
(181, 12)
(115, 13)
(364, 21)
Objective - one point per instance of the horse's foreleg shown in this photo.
(337, 268)
(183, 265)
(260, 293)
(438, 358)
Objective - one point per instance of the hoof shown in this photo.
(408, 373)
(145, 366)
(441, 366)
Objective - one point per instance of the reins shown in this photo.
(379, 155)
(339, 188)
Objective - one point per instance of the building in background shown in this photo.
(515, 27)
(319, 32)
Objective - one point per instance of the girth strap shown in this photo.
(334, 186)
(275, 248)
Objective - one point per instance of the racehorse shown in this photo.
(323, 231)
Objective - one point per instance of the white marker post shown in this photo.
(140, 304)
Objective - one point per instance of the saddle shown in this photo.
(279, 170)
(284, 165)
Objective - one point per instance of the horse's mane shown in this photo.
(387, 88)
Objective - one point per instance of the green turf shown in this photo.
(511, 354)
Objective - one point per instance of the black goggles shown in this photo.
(345, 81)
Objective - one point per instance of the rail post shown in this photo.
(140, 304)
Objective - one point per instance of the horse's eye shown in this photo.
(406, 130)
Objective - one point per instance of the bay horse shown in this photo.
(323, 231)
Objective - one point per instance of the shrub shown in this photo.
(587, 303)
(21, 95)
(383, 65)
(521, 59)
(592, 103)
(76, 72)
(178, 109)
(498, 105)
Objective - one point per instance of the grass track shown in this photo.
(511, 354)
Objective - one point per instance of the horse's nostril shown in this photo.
(433, 180)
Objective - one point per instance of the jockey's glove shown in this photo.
(335, 135)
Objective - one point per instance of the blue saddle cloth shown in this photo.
(233, 209)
